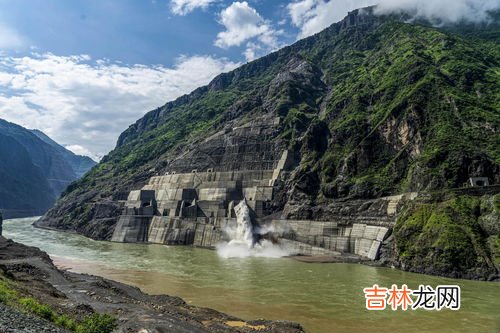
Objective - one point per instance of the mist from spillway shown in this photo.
(244, 239)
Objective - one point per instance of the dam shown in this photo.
(187, 206)
(319, 296)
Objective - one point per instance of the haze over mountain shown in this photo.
(34, 170)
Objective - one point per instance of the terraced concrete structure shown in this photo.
(194, 201)
(320, 238)
(195, 208)
(192, 208)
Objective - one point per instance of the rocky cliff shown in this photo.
(34, 170)
(370, 107)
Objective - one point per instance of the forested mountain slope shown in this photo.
(371, 106)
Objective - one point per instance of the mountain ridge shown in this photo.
(350, 30)
(369, 107)
(80, 164)
(41, 171)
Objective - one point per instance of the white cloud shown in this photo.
(445, 11)
(10, 38)
(79, 150)
(183, 7)
(243, 24)
(251, 50)
(312, 16)
(86, 104)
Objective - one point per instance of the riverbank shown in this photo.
(339, 259)
(319, 297)
(31, 273)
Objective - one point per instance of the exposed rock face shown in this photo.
(367, 109)
(455, 237)
(34, 170)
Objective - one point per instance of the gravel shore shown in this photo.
(79, 295)
(14, 321)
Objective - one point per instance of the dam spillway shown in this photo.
(192, 208)
(195, 209)
(194, 202)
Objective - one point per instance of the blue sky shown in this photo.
(83, 71)
(136, 31)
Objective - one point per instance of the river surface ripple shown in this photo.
(324, 298)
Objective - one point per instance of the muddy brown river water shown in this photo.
(324, 298)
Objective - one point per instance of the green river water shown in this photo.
(324, 298)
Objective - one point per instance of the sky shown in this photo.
(83, 71)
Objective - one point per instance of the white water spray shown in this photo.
(243, 239)
(244, 228)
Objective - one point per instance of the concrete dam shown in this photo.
(194, 206)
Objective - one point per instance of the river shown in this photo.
(324, 298)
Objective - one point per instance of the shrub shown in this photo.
(31, 305)
(97, 323)
(6, 293)
(66, 322)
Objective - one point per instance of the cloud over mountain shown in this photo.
(243, 24)
(312, 16)
(442, 11)
(85, 104)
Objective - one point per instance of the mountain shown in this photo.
(79, 164)
(370, 107)
(34, 170)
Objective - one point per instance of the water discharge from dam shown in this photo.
(322, 297)
(244, 239)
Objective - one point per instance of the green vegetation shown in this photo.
(97, 323)
(93, 323)
(380, 107)
(431, 94)
(449, 236)
(6, 292)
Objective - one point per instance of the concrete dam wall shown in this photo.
(195, 209)
(193, 206)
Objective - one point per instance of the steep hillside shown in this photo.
(458, 237)
(23, 192)
(33, 171)
(369, 107)
(79, 164)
